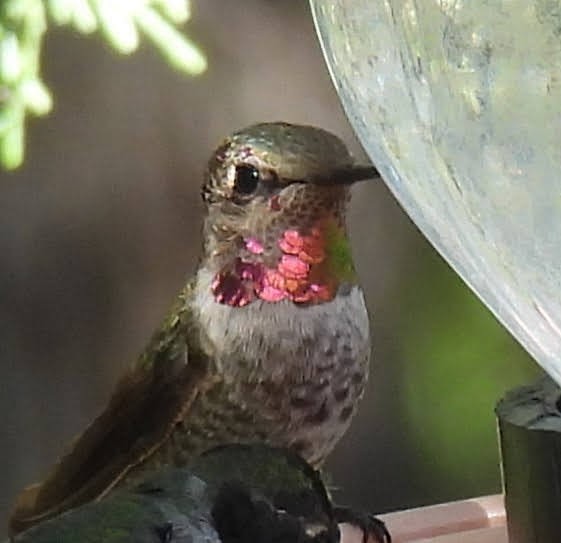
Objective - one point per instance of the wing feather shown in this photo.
(147, 403)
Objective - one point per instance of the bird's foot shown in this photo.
(370, 526)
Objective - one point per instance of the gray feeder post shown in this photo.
(530, 439)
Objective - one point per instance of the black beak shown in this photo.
(343, 176)
(355, 173)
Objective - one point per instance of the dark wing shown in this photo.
(144, 408)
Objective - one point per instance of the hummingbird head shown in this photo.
(276, 195)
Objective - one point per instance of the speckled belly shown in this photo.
(309, 416)
(286, 375)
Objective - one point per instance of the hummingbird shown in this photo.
(269, 342)
(230, 494)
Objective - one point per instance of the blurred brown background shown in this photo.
(101, 226)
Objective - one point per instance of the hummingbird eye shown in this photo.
(247, 179)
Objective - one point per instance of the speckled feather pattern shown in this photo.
(300, 393)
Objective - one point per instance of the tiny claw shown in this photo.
(164, 532)
(368, 523)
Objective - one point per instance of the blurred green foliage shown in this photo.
(459, 363)
(23, 24)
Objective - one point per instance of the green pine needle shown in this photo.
(22, 27)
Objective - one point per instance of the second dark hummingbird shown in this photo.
(230, 494)
(268, 342)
